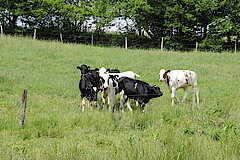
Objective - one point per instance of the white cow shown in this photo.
(180, 79)
(104, 74)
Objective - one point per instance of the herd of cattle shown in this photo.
(111, 81)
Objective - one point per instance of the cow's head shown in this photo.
(157, 91)
(163, 74)
(104, 76)
(84, 68)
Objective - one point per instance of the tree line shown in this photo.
(215, 24)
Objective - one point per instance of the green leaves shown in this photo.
(186, 21)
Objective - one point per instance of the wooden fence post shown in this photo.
(126, 45)
(92, 40)
(1, 30)
(235, 47)
(196, 46)
(23, 107)
(162, 45)
(35, 33)
(61, 39)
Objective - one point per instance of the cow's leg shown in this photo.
(196, 91)
(197, 94)
(137, 103)
(185, 94)
(173, 95)
(142, 106)
(193, 100)
(104, 97)
(83, 103)
(128, 105)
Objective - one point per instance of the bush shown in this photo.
(214, 43)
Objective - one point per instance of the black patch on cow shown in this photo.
(114, 79)
(186, 77)
(142, 92)
(113, 70)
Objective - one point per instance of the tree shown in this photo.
(11, 10)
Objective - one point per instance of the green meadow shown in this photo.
(56, 128)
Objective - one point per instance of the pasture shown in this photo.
(56, 128)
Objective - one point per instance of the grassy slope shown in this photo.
(57, 129)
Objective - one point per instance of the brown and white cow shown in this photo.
(180, 79)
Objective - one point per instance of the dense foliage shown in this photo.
(212, 23)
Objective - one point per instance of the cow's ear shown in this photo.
(78, 67)
(96, 69)
(164, 75)
(108, 70)
(88, 67)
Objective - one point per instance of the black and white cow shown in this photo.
(89, 85)
(105, 74)
(138, 90)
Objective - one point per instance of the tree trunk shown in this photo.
(204, 31)
(13, 22)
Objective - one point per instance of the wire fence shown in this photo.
(123, 40)
(16, 102)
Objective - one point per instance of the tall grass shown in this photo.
(56, 128)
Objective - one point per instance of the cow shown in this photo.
(105, 75)
(89, 85)
(176, 79)
(138, 90)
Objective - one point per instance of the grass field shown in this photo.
(56, 128)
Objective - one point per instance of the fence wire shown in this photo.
(120, 41)
(78, 107)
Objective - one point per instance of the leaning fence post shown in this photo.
(1, 30)
(196, 46)
(34, 33)
(162, 44)
(23, 107)
(126, 45)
